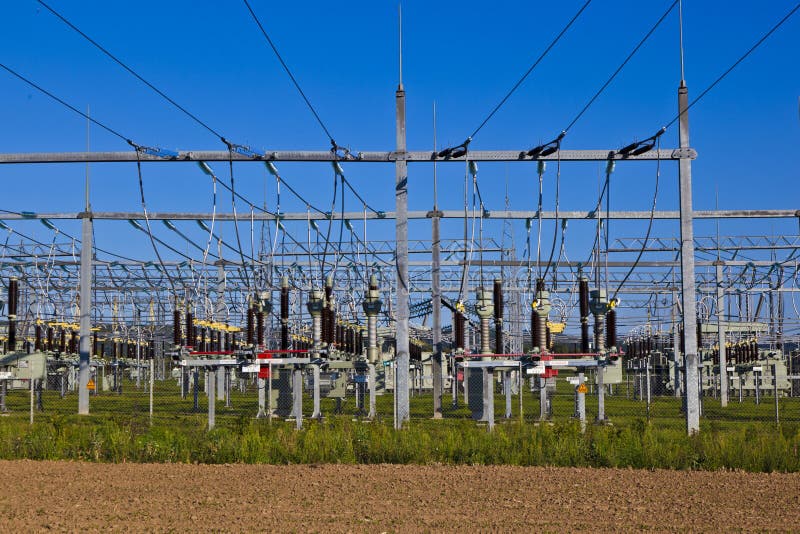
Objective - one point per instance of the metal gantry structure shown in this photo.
(706, 277)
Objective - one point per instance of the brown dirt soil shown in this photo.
(68, 496)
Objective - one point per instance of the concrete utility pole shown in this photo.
(402, 410)
(436, 291)
(85, 304)
(691, 359)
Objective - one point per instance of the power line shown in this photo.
(65, 234)
(359, 197)
(63, 103)
(622, 65)
(149, 231)
(649, 227)
(530, 69)
(735, 64)
(289, 72)
(130, 70)
(235, 221)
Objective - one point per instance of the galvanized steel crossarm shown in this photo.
(415, 214)
(373, 157)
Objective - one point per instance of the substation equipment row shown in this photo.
(753, 370)
(339, 359)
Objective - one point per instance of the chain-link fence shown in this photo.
(162, 388)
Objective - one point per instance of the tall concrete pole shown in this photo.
(691, 358)
(723, 357)
(436, 292)
(401, 230)
(85, 306)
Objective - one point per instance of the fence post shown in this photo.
(212, 398)
(647, 375)
(152, 369)
(775, 391)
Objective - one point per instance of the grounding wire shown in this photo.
(330, 225)
(300, 197)
(235, 220)
(528, 252)
(530, 69)
(735, 64)
(207, 170)
(619, 69)
(359, 197)
(160, 241)
(68, 236)
(649, 224)
(130, 70)
(64, 103)
(540, 169)
(262, 210)
(596, 214)
(149, 231)
(188, 240)
(114, 132)
(468, 243)
(555, 221)
(341, 229)
(289, 72)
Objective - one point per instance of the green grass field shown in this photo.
(664, 411)
(740, 437)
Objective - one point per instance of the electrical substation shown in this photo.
(378, 311)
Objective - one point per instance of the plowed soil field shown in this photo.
(65, 496)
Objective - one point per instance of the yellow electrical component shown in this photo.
(460, 307)
(556, 328)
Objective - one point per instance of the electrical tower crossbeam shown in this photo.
(708, 244)
(322, 156)
(304, 216)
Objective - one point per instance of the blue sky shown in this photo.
(210, 57)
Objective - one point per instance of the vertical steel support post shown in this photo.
(297, 396)
(775, 392)
(488, 396)
(507, 392)
(85, 309)
(151, 378)
(212, 404)
(601, 394)
(691, 357)
(436, 302)
(723, 359)
(316, 412)
(372, 378)
(401, 238)
(580, 400)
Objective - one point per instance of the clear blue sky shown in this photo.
(210, 57)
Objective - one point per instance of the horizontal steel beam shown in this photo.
(419, 263)
(418, 214)
(295, 155)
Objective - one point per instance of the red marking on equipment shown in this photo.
(263, 371)
(460, 376)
